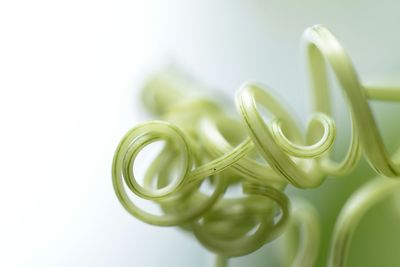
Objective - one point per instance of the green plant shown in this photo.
(260, 155)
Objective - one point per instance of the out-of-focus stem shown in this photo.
(352, 213)
(304, 226)
(221, 261)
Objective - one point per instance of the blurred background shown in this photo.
(70, 76)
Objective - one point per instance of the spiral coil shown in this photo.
(206, 144)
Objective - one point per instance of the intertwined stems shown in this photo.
(210, 146)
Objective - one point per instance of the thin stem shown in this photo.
(221, 261)
(352, 213)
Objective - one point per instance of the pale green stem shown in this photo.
(353, 211)
(221, 261)
(305, 221)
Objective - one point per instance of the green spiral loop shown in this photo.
(261, 153)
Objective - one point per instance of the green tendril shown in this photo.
(353, 211)
(221, 261)
(261, 153)
(305, 221)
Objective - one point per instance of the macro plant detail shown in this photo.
(262, 152)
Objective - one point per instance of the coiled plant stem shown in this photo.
(205, 145)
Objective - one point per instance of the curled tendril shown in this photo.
(304, 221)
(355, 208)
(203, 144)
